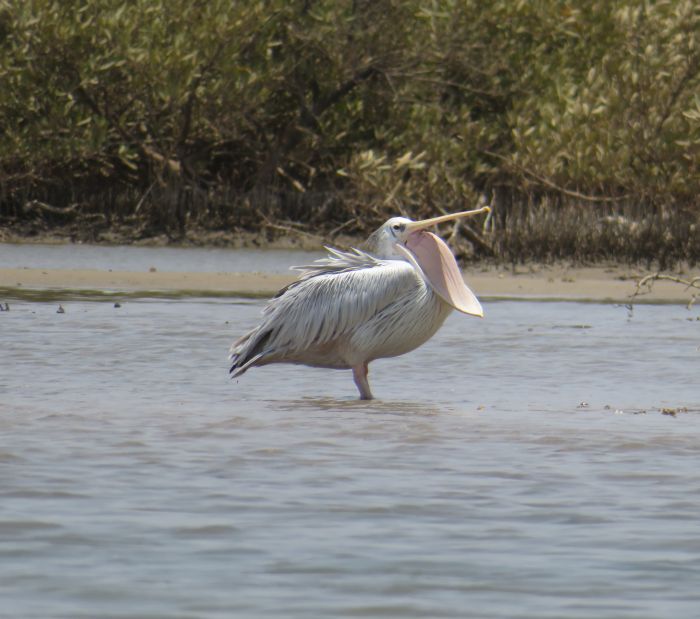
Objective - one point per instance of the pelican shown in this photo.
(353, 307)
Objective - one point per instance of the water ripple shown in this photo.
(522, 466)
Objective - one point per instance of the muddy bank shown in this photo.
(601, 284)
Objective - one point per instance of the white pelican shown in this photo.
(353, 307)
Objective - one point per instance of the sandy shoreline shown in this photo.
(601, 284)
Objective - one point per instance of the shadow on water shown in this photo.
(367, 407)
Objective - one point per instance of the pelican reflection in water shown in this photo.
(353, 307)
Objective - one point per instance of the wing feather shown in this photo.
(332, 298)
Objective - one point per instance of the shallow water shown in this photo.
(518, 466)
(133, 258)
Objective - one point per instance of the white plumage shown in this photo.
(352, 307)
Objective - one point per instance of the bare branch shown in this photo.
(41, 207)
(547, 183)
(645, 285)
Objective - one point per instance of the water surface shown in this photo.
(520, 466)
(135, 258)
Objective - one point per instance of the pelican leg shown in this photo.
(359, 374)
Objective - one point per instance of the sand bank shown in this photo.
(545, 283)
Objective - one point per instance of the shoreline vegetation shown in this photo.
(305, 122)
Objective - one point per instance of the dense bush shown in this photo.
(578, 121)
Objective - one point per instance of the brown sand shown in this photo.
(612, 284)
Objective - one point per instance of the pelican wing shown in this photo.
(331, 299)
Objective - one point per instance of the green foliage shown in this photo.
(339, 113)
(622, 122)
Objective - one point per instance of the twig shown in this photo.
(648, 283)
(42, 207)
(289, 228)
(337, 229)
(454, 233)
(547, 183)
(295, 183)
(143, 198)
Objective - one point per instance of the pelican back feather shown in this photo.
(314, 319)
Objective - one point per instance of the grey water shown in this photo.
(541, 462)
(135, 258)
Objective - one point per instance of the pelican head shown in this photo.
(382, 242)
(401, 238)
(387, 241)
